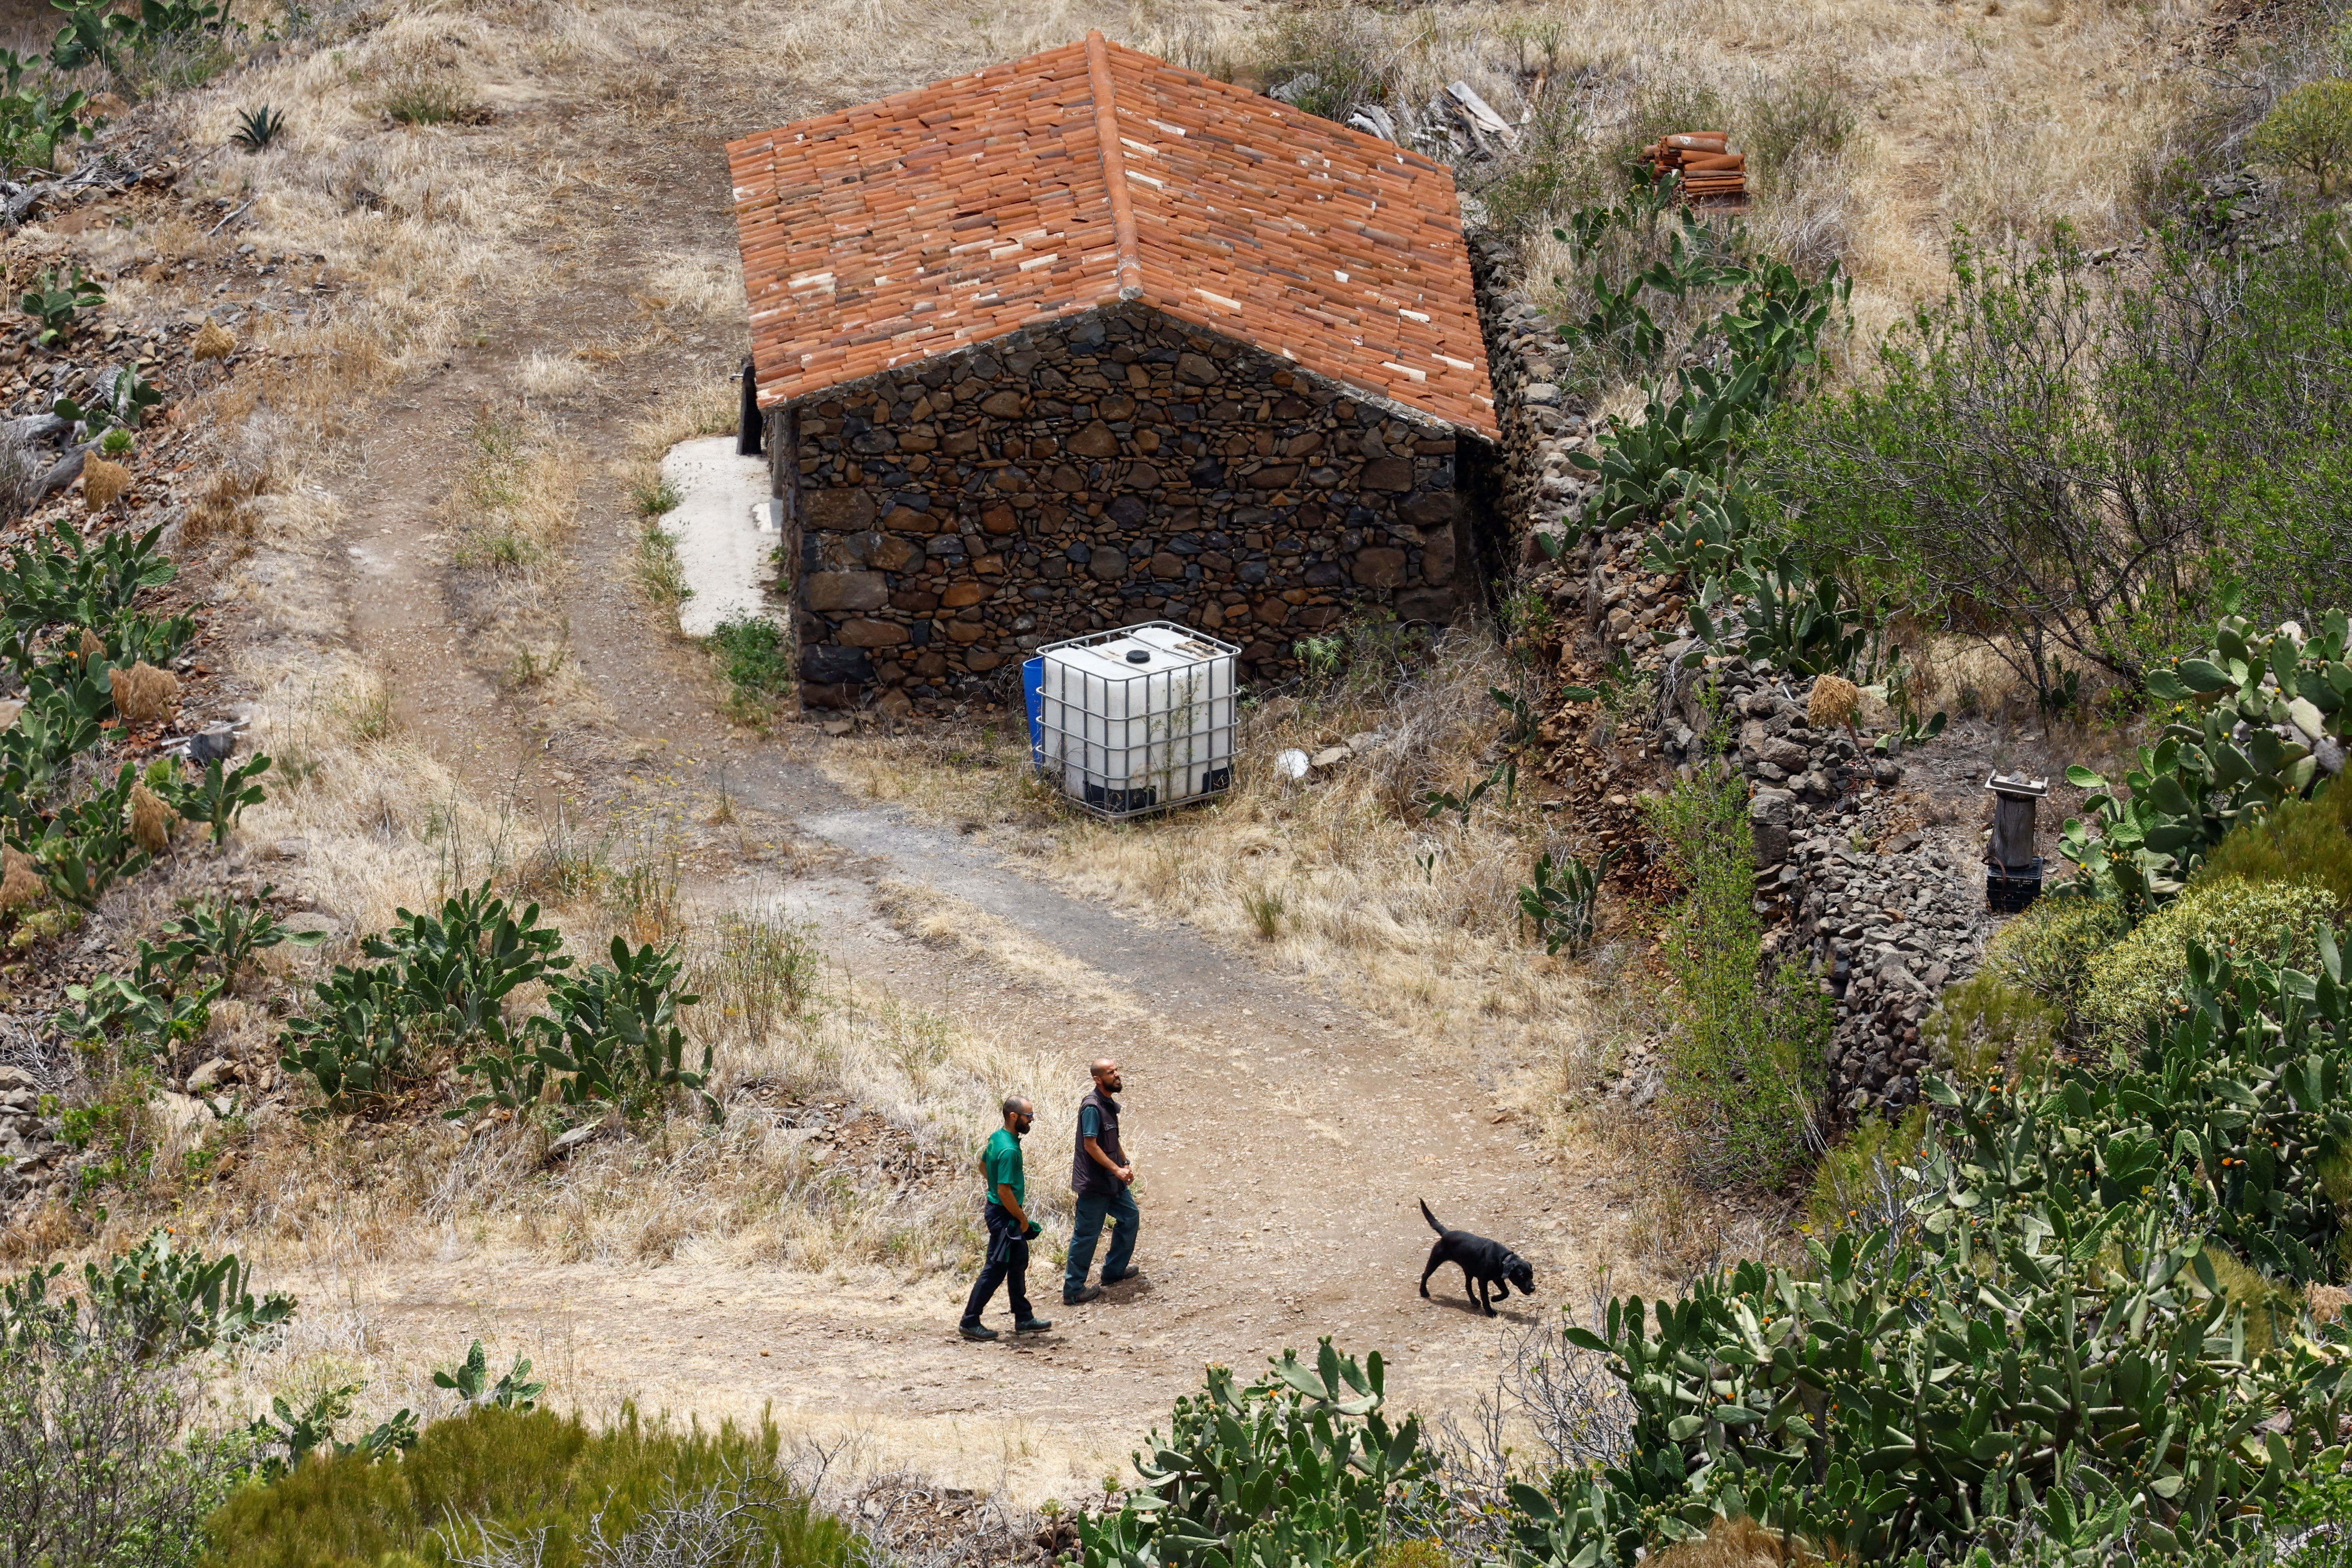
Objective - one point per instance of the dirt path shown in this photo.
(1284, 1138)
(1282, 1142)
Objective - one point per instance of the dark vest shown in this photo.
(1086, 1176)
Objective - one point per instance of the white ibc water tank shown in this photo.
(1139, 719)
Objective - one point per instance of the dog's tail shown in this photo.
(1431, 1217)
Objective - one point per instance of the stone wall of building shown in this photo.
(1099, 470)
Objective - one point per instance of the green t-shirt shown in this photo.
(1000, 1163)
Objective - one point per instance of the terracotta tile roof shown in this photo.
(942, 217)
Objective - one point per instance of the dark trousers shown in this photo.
(1008, 1264)
(1093, 1209)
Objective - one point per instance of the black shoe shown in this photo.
(1081, 1296)
(976, 1331)
(1031, 1326)
(1124, 1274)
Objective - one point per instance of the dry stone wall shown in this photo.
(1103, 469)
(1542, 422)
(1889, 911)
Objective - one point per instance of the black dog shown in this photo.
(1484, 1263)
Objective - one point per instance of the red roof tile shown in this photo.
(942, 217)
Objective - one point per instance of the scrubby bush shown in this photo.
(2302, 841)
(2309, 131)
(490, 1479)
(2135, 982)
(1981, 465)
(1300, 1467)
(98, 1394)
(1988, 1025)
(2048, 949)
(96, 1466)
(1860, 1179)
(1745, 1064)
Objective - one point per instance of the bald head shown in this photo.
(1106, 1073)
(1018, 1113)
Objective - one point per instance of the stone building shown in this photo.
(1089, 339)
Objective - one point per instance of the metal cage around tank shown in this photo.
(1135, 720)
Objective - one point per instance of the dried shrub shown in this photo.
(144, 694)
(1835, 700)
(224, 507)
(91, 648)
(103, 483)
(150, 819)
(1789, 125)
(1735, 1544)
(20, 883)
(212, 341)
(21, 466)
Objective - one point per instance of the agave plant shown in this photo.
(258, 128)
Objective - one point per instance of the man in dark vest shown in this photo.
(1104, 1181)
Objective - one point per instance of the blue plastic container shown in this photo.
(1033, 687)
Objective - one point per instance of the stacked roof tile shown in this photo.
(957, 213)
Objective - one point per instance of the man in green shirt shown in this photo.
(1010, 1229)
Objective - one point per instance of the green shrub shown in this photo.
(1745, 1064)
(1858, 1173)
(491, 1473)
(95, 1465)
(757, 661)
(2309, 130)
(1989, 1025)
(1300, 1467)
(2134, 983)
(2307, 841)
(2049, 947)
(1926, 1393)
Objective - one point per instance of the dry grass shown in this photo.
(507, 523)
(1998, 119)
(1413, 918)
(710, 408)
(872, 1183)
